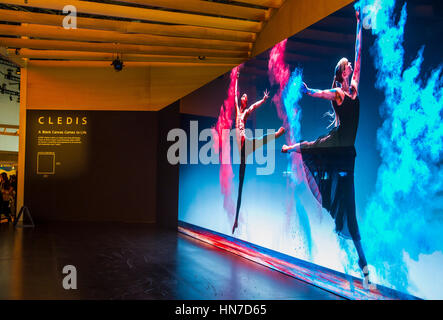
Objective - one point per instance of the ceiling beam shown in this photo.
(264, 3)
(59, 33)
(14, 59)
(104, 56)
(129, 27)
(116, 48)
(105, 64)
(206, 7)
(120, 11)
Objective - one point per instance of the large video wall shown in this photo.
(334, 161)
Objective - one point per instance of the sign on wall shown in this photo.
(57, 142)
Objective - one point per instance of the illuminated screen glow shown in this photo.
(295, 208)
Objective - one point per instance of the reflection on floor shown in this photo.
(336, 282)
(133, 261)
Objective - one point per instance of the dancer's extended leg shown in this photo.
(361, 255)
(263, 140)
(249, 146)
(241, 178)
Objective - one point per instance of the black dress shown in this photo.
(329, 167)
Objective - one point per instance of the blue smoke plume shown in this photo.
(291, 96)
(402, 215)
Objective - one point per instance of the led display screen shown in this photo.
(328, 148)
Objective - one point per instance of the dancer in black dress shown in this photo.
(329, 160)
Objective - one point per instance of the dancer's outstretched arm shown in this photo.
(334, 94)
(235, 92)
(258, 103)
(357, 64)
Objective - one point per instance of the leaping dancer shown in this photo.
(247, 145)
(329, 160)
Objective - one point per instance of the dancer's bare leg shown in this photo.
(261, 141)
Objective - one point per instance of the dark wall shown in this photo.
(167, 175)
(111, 175)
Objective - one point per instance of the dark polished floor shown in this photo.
(133, 261)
